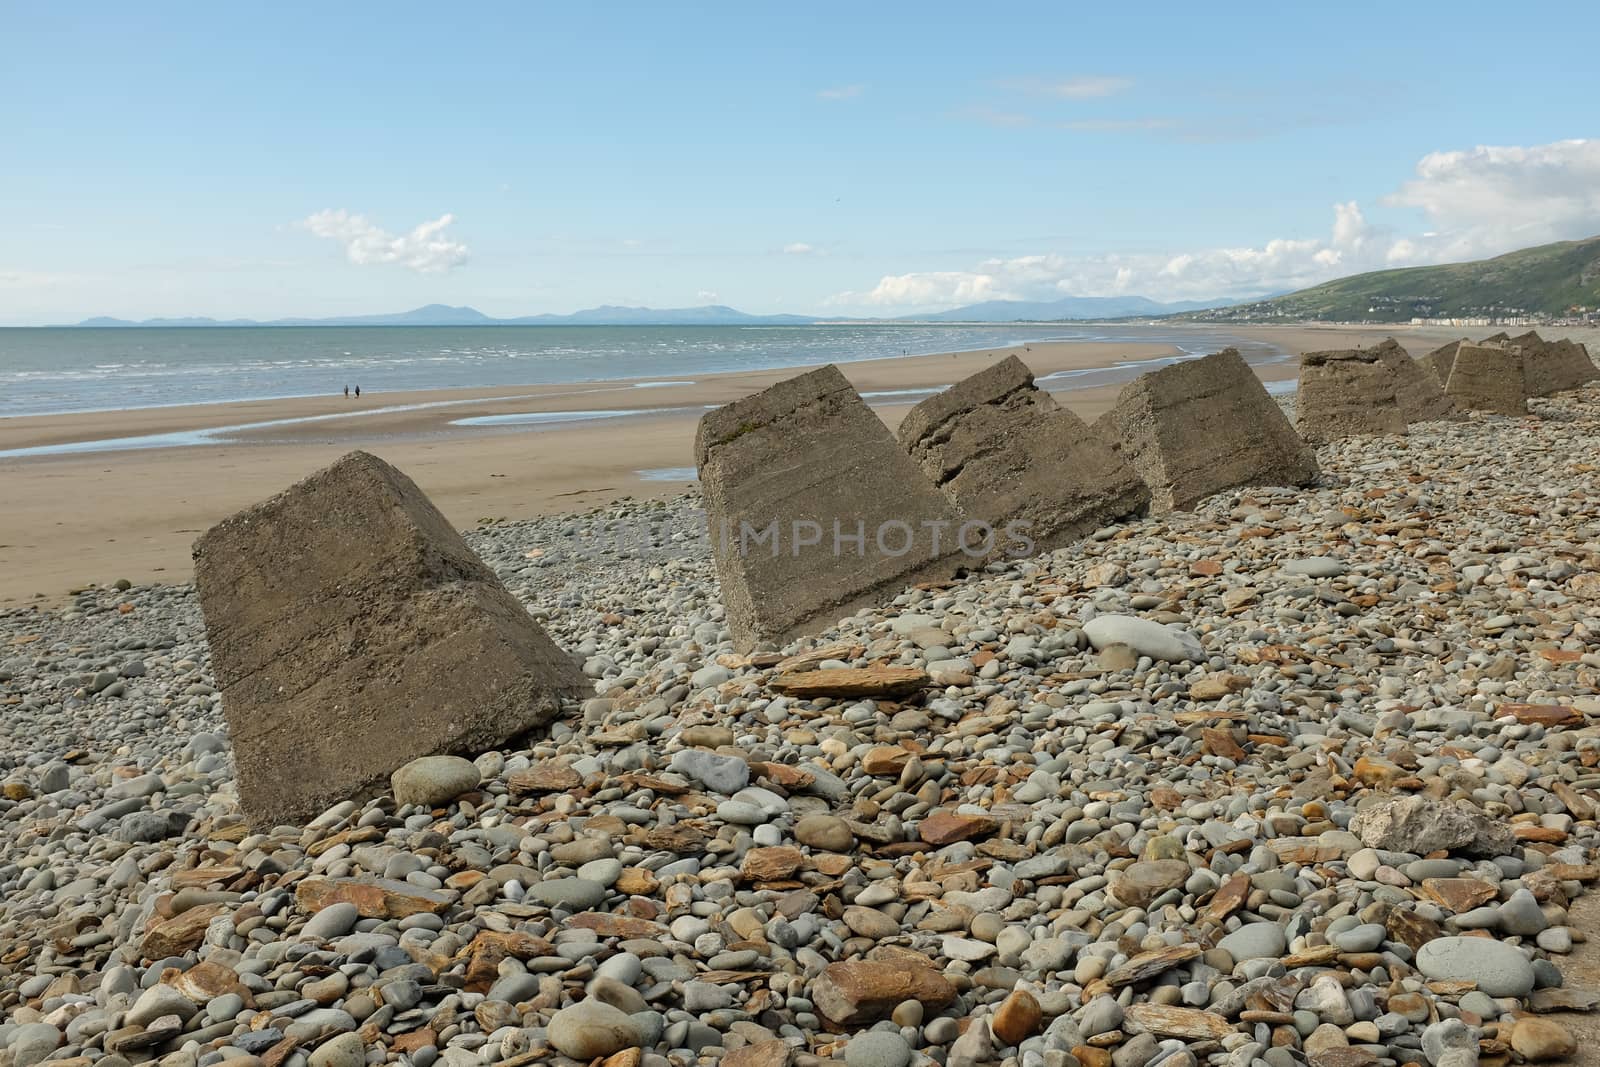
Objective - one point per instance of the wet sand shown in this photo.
(95, 516)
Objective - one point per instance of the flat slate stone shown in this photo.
(1005, 452)
(352, 630)
(814, 509)
(1202, 426)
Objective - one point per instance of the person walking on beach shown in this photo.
(358, 392)
(347, 392)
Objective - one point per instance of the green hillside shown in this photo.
(1550, 280)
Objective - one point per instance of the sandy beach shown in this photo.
(96, 516)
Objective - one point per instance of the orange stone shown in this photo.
(1221, 743)
(1459, 894)
(853, 682)
(546, 777)
(1541, 714)
(944, 827)
(181, 933)
(374, 898)
(771, 864)
(607, 925)
(1534, 832)
(1017, 1018)
(885, 762)
(638, 881)
(1229, 898)
(760, 1054)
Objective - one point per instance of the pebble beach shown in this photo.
(1304, 777)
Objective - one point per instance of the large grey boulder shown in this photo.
(1003, 451)
(1348, 393)
(1488, 378)
(1421, 398)
(1420, 826)
(814, 509)
(1196, 428)
(352, 630)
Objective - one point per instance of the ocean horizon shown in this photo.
(68, 370)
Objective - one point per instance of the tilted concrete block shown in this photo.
(352, 630)
(814, 510)
(1196, 428)
(1004, 451)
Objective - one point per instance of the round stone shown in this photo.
(346, 1050)
(335, 920)
(591, 1028)
(574, 893)
(877, 1048)
(826, 832)
(433, 780)
(1255, 941)
(1500, 970)
(1144, 637)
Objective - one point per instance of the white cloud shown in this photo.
(1492, 199)
(34, 279)
(940, 288)
(1477, 203)
(706, 296)
(1079, 87)
(799, 248)
(427, 248)
(841, 92)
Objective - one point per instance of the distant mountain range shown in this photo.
(445, 315)
(995, 311)
(1554, 279)
(1069, 307)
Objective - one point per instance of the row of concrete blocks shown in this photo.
(352, 629)
(1500, 373)
(816, 509)
(1382, 390)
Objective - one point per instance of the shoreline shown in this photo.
(74, 518)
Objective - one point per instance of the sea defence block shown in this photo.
(1198, 427)
(813, 508)
(1438, 362)
(1002, 450)
(1349, 393)
(1551, 367)
(1421, 399)
(1573, 359)
(1488, 378)
(352, 630)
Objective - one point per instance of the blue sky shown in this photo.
(838, 158)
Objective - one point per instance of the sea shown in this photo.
(67, 370)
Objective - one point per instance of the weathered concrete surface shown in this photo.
(1551, 367)
(1574, 360)
(352, 630)
(1488, 378)
(1348, 393)
(1421, 398)
(807, 459)
(1198, 427)
(1004, 451)
(1438, 362)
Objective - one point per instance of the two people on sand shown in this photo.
(347, 392)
